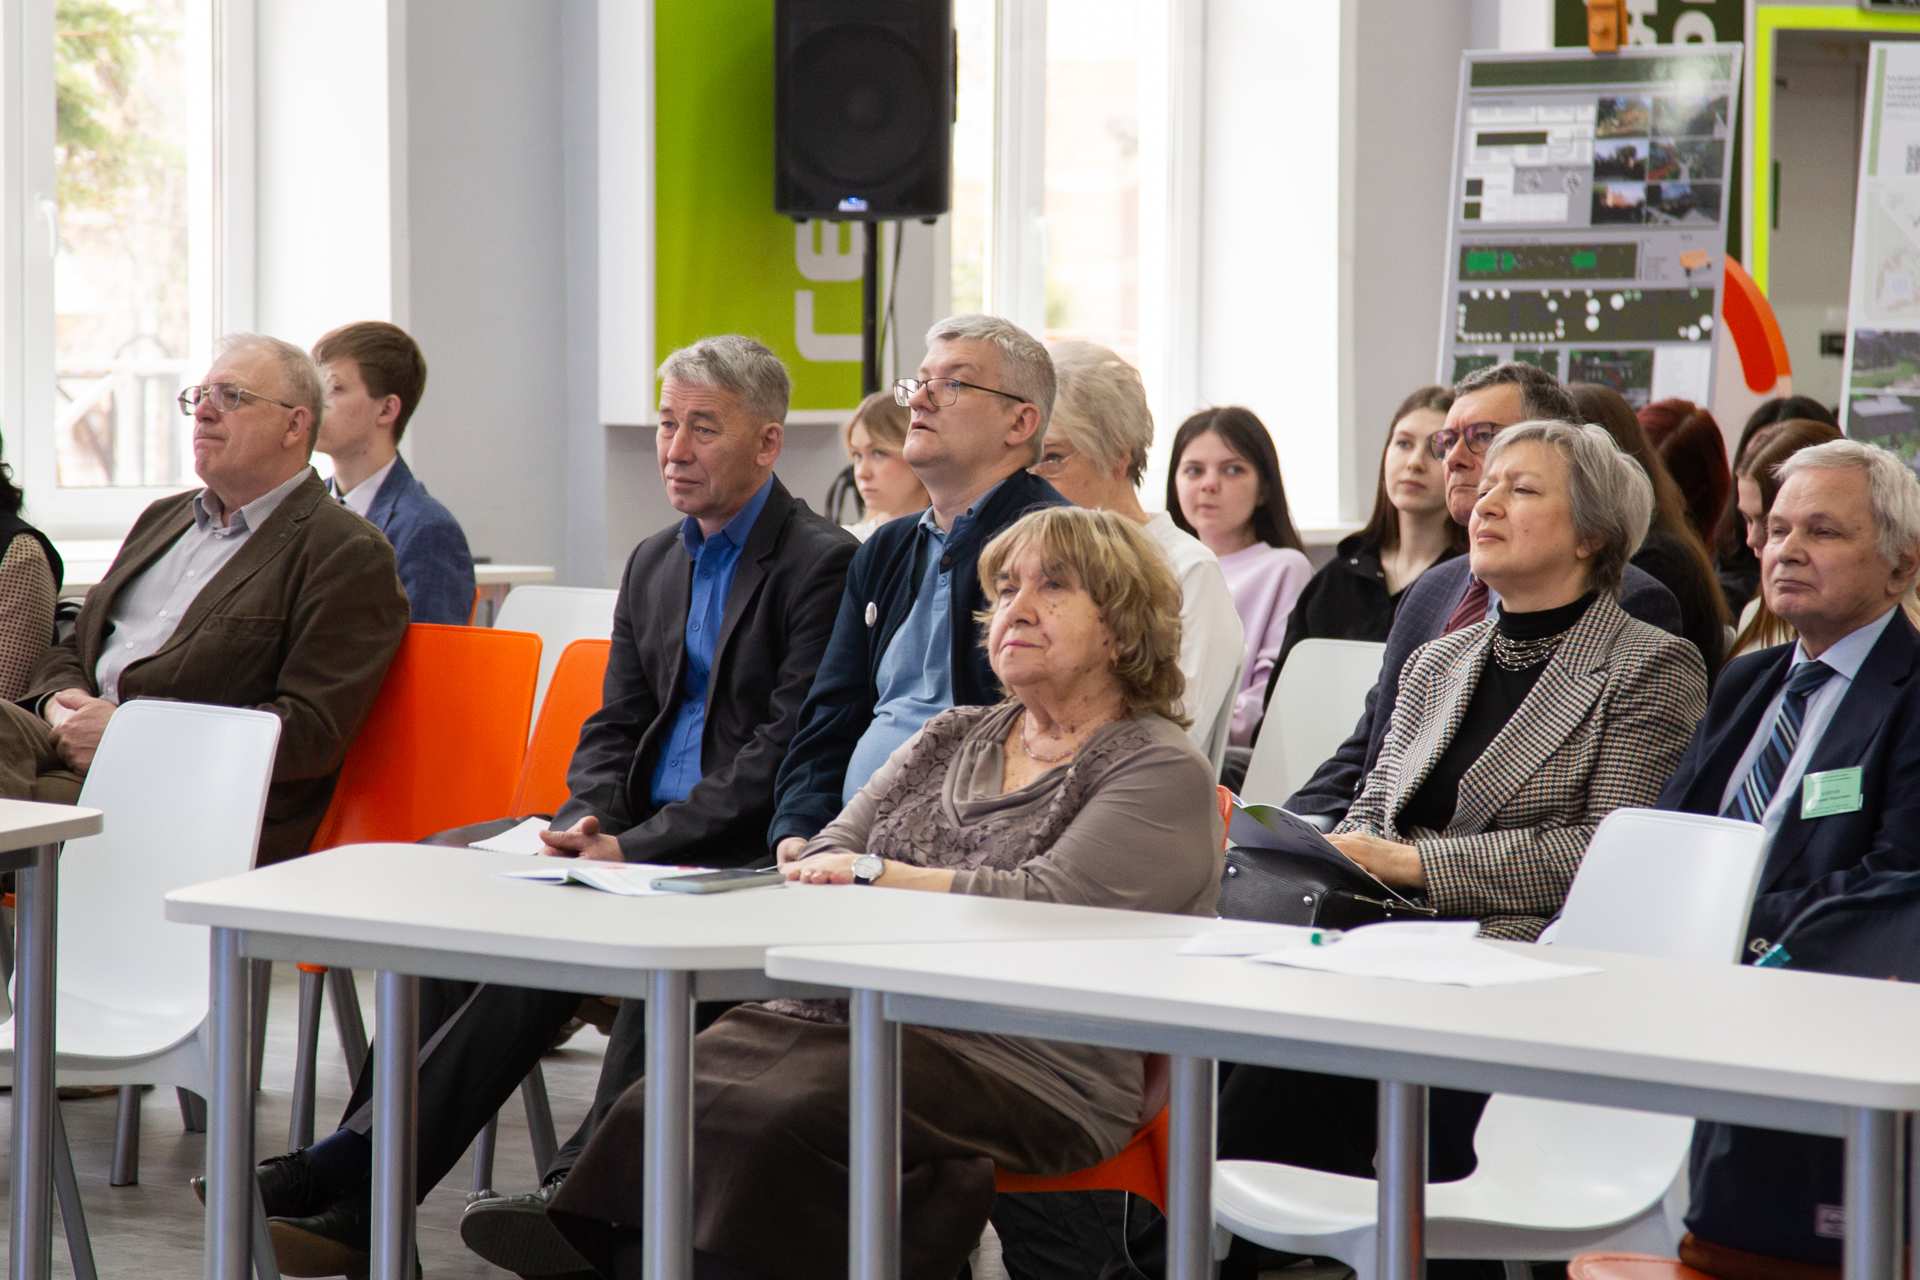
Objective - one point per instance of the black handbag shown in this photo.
(1279, 887)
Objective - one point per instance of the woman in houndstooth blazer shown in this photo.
(1511, 739)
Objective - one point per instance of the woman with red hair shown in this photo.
(1688, 442)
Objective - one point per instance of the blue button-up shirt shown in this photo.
(915, 675)
(714, 561)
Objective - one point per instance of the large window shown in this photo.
(123, 325)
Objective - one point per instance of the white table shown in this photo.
(30, 836)
(1807, 1052)
(410, 911)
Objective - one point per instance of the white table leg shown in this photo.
(1190, 1147)
(1872, 1196)
(667, 1169)
(873, 1142)
(36, 898)
(1401, 1167)
(229, 1116)
(396, 1077)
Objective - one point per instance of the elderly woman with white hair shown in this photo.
(1096, 456)
(1510, 741)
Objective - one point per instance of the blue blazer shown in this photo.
(435, 566)
(1422, 616)
(1876, 726)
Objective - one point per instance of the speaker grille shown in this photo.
(861, 106)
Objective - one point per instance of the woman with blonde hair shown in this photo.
(1081, 787)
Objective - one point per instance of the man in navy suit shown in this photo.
(1819, 741)
(1447, 597)
(374, 375)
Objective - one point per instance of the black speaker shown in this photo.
(863, 108)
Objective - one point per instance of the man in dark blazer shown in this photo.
(375, 374)
(1819, 741)
(1446, 597)
(720, 624)
(255, 591)
(906, 645)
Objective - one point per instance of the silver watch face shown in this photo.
(868, 867)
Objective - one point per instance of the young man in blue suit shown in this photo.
(374, 375)
(1819, 740)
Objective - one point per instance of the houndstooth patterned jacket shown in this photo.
(1602, 729)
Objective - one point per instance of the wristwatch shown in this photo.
(868, 867)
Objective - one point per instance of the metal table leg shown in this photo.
(873, 1150)
(1190, 1150)
(229, 1116)
(1400, 1237)
(396, 1076)
(36, 890)
(1872, 1196)
(667, 1169)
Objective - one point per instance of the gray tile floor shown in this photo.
(153, 1230)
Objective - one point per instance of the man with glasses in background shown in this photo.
(1448, 597)
(257, 591)
(905, 646)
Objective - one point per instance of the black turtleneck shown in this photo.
(1496, 697)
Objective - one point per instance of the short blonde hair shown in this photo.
(884, 418)
(1117, 565)
(1101, 407)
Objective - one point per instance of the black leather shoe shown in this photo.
(287, 1186)
(332, 1242)
(514, 1232)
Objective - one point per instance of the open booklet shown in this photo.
(629, 880)
(1265, 826)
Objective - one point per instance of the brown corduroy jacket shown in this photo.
(301, 622)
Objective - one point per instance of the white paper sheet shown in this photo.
(627, 880)
(524, 838)
(1448, 960)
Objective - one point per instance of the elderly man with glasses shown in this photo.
(1447, 597)
(906, 645)
(255, 591)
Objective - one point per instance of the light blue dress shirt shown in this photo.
(915, 675)
(1846, 657)
(714, 561)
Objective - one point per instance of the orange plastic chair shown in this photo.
(445, 740)
(572, 695)
(1141, 1166)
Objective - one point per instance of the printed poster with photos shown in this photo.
(1882, 393)
(1586, 233)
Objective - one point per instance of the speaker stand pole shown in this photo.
(870, 313)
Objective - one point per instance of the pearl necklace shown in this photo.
(1518, 655)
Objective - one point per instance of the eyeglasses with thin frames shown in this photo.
(943, 391)
(1479, 435)
(226, 397)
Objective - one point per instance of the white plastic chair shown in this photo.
(559, 616)
(1321, 692)
(183, 787)
(1554, 1179)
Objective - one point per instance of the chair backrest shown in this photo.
(1316, 702)
(443, 744)
(183, 787)
(559, 616)
(1676, 885)
(572, 696)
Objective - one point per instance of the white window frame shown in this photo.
(220, 41)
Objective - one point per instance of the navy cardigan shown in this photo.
(883, 580)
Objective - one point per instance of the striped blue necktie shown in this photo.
(1756, 793)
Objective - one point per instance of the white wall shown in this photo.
(322, 195)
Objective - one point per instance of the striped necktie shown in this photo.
(1756, 793)
(1471, 610)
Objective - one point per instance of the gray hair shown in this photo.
(1893, 493)
(743, 368)
(1026, 370)
(297, 370)
(1101, 407)
(1542, 396)
(1610, 497)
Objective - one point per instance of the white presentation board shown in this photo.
(1587, 232)
(1882, 395)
